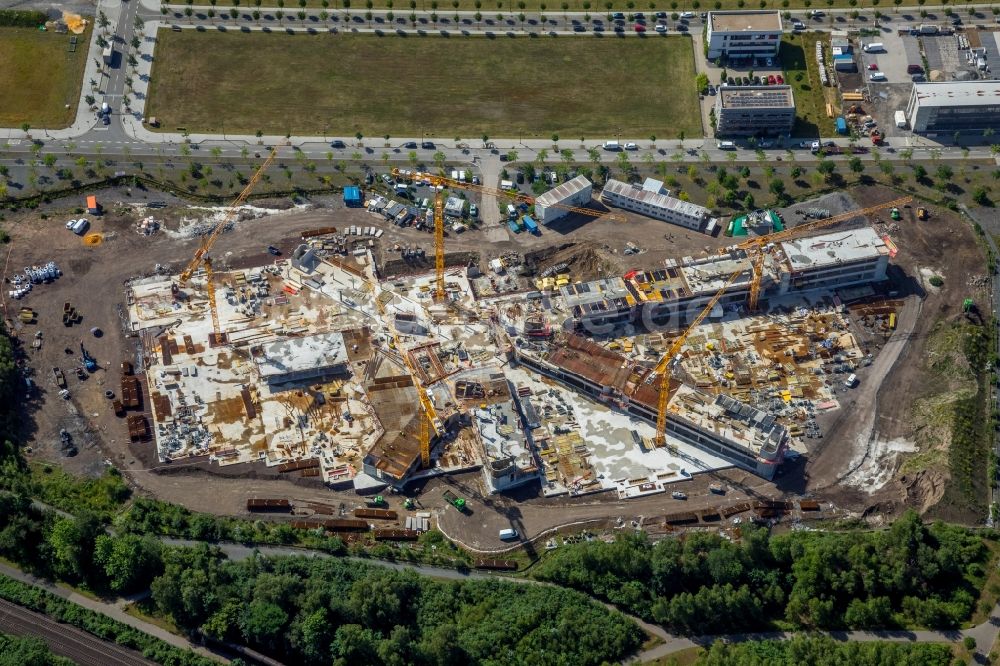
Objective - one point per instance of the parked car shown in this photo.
(779, 79)
(771, 80)
(427, 145)
(661, 28)
(872, 67)
(918, 78)
(638, 27)
(914, 69)
(473, 210)
(639, 16)
(661, 15)
(769, 62)
(338, 144)
(687, 15)
(273, 250)
(617, 16)
(631, 146)
(412, 145)
(682, 27)
(678, 495)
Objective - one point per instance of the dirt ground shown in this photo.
(945, 245)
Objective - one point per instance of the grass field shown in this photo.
(39, 77)
(438, 87)
(802, 72)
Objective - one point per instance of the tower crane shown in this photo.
(440, 182)
(203, 259)
(755, 251)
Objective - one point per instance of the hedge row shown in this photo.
(20, 18)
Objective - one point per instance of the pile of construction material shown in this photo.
(32, 275)
(147, 226)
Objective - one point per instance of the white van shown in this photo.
(612, 145)
(80, 226)
(508, 534)
(874, 47)
(511, 211)
(877, 76)
(851, 381)
(727, 145)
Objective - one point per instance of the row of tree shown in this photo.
(824, 651)
(909, 575)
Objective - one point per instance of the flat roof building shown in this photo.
(954, 106)
(755, 110)
(600, 303)
(305, 358)
(654, 203)
(833, 260)
(576, 192)
(742, 35)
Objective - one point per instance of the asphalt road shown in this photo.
(65, 640)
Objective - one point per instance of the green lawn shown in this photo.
(39, 77)
(798, 57)
(441, 87)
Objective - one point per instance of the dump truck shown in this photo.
(454, 500)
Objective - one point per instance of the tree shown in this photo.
(128, 562)
(827, 168)
(777, 188)
(856, 165)
(439, 158)
(512, 155)
(263, 622)
(919, 172)
(944, 172)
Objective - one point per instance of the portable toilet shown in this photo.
(841, 125)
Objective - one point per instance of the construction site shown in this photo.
(320, 365)
(335, 365)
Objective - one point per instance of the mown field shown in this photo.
(39, 77)
(432, 86)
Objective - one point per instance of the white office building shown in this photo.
(954, 106)
(574, 193)
(652, 200)
(744, 34)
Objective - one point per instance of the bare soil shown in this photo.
(946, 245)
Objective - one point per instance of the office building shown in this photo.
(954, 106)
(742, 35)
(754, 111)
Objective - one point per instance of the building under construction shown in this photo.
(672, 296)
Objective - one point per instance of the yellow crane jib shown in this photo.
(231, 212)
(666, 363)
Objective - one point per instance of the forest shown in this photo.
(320, 611)
(910, 575)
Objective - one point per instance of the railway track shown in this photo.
(66, 640)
